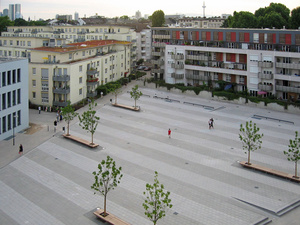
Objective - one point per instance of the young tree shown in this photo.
(293, 154)
(107, 178)
(135, 94)
(157, 200)
(250, 138)
(68, 114)
(89, 120)
(116, 89)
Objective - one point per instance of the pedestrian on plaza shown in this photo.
(55, 124)
(39, 109)
(21, 149)
(60, 117)
(169, 133)
(57, 116)
(212, 123)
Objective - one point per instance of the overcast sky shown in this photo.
(47, 9)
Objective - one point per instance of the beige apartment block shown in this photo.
(73, 72)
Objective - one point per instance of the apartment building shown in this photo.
(17, 41)
(74, 71)
(263, 61)
(14, 115)
(198, 22)
(144, 44)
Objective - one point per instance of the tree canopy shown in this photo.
(275, 15)
(4, 22)
(158, 18)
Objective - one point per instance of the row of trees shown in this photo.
(251, 140)
(275, 15)
(108, 177)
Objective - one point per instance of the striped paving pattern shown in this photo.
(51, 184)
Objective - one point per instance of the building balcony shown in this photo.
(61, 78)
(92, 81)
(61, 103)
(265, 76)
(158, 44)
(61, 90)
(288, 89)
(157, 62)
(295, 66)
(177, 66)
(197, 57)
(177, 76)
(157, 70)
(265, 87)
(91, 94)
(177, 57)
(92, 72)
(157, 53)
(265, 64)
(197, 77)
(161, 36)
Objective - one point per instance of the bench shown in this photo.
(80, 140)
(110, 218)
(127, 107)
(270, 171)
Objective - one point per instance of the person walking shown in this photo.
(212, 123)
(21, 149)
(169, 133)
(39, 109)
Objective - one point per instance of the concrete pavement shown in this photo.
(50, 183)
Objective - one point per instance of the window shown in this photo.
(14, 97)
(3, 124)
(19, 75)
(34, 71)
(28, 43)
(4, 101)
(9, 122)
(10, 42)
(228, 78)
(33, 83)
(19, 117)
(70, 55)
(83, 53)
(14, 76)
(80, 91)
(8, 77)
(19, 96)
(105, 70)
(80, 68)
(33, 95)
(105, 61)
(8, 99)
(80, 80)
(3, 79)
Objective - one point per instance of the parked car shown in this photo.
(147, 69)
(141, 67)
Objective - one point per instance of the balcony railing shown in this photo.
(61, 90)
(92, 81)
(265, 76)
(91, 94)
(177, 76)
(61, 78)
(92, 72)
(177, 57)
(288, 65)
(197, 57)
(158, 44)
(265, 87)
(177, 66)
(288, 89)
(157, 53)
(265, 64)
(60, 103)
(157, 62)
(197, 77)
(157, 70)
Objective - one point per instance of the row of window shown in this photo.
(10, 77)
(10, 121)
(10, 99)
(17, 43)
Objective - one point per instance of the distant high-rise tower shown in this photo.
(76, 15)
(203, 9)
(18, 11)
(138, 15)
(5, 12)
(11, 12)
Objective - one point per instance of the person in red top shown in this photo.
(169, 133)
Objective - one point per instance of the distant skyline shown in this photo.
(47, 9)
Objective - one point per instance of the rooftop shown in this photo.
(81, 45)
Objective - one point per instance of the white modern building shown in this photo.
(14, 115)
(144, 44)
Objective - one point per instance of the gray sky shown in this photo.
(47, 9)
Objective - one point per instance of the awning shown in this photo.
(261, 92)
(228, 86)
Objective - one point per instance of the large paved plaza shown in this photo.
(50, 183)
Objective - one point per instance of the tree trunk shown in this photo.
(296, 170)
(104, 205)
(135, 104)
(249, 158)
(68, 128)
(92, 138)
